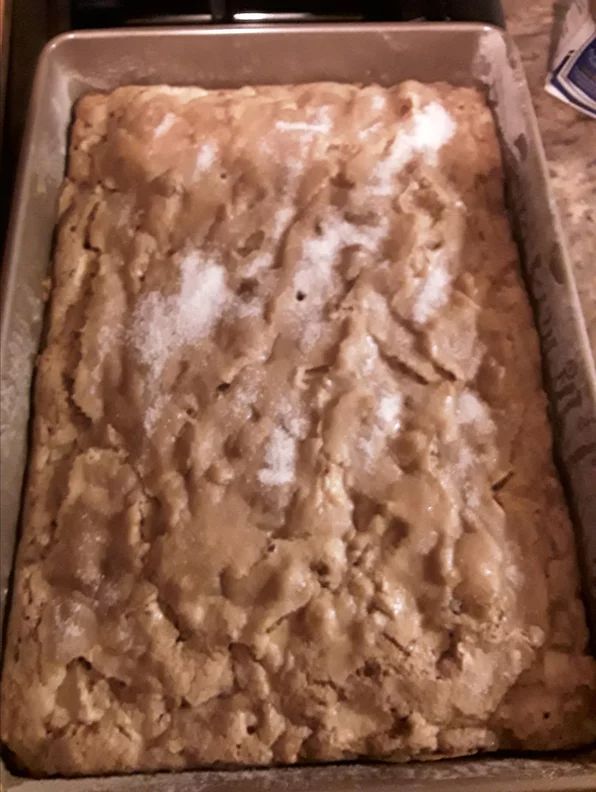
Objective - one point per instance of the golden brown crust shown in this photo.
(291, 493)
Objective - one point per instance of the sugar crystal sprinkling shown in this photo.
(161, 325)
(428, 130)
(320, 252)
(433, 291)
(320, 125)
(389, 409)
(280, 459)
(206, 156)
(166, 123)
(472, 411)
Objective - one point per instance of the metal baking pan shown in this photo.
(463, 54)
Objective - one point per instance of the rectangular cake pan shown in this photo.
(213, 57)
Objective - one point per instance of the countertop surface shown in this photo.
(569, 142)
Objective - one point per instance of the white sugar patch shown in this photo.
(247, 394)
(471, 419)
(369, 355)
(206, 157)
(315, 270)
(465, 458)
(280, 459)
(370, 443)
(105, 340)
(245, 310)
(166, 123)
(153, 413)
(360, 355)
(293, 419)
(433, 292)
(182, 94)
(257, 264)
(371, 130)
(373, 439)
(472, 497)
(264, 259)
(315, 275)
(366, 445)
(374, 302)
(389, 410)
(471, 410)
(294, 168)
(310, 333)
(378, 102)
(432, 128)
(320, 125)
(162, 325)
(425, 134)
(73, 619)
(281, 219)
(302, 126)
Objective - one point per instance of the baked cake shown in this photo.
(291, 493)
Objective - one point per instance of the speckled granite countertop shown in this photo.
(569, 142)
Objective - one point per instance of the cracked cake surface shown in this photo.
(291, 493)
